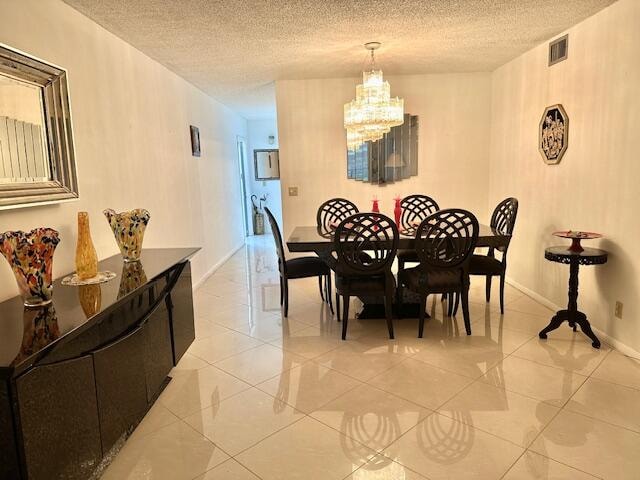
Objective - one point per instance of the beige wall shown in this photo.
(454, 113)
(131, 120)
(596, 185)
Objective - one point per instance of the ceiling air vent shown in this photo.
(558, 50)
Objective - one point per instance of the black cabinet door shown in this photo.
(8, 446)
(158, 354)
(59, 419)
(121, 386)
(181, 301)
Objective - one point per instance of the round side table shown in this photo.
(587, 256)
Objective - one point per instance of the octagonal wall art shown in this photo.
(553, 135)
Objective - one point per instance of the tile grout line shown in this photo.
(563, 463)
(230, 459)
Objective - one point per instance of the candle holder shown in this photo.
(397, 211)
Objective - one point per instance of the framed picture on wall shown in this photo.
(195, 141)
(266, 164)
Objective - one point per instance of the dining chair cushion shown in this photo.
(306, 267)
(364, 284)
(418, 279)
(408, 255)
(484, 265)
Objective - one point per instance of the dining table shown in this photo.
(320, 241)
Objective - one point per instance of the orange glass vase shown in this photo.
(86, 256)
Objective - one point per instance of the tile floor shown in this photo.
(262, 397)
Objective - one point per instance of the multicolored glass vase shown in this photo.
(128, 228)
(30, 255)
(86, 256)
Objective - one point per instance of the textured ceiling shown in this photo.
(235, 50)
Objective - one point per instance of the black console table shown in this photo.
(77, 376)
(575, 258)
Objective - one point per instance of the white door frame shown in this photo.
(241, 144)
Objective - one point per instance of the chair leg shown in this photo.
(326, 288)
(286, 297)
(465, 309)
(388, 311)
(321, 287)
(450, 305)
(281, 292)
(399, 292)
(421, 315)
(329, 293)
(502, 293)
(456, 304)
(345, 317)
(488, 288)
(337, 305)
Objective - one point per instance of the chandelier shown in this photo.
(373, 112)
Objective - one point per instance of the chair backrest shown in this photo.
(446, 239)
(415, 208)
(332, 212)
(365, 244)
(504, 216)
(277, 238)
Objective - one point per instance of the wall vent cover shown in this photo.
(558, 50)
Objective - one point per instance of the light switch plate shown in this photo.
(293, 191)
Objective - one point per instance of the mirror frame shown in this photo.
(52, 79)
(255, 162)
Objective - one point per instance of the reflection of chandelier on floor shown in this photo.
(373, 112)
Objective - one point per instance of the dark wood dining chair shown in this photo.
(415, 208)
(333, 211)
(444, 243)
(503, 221)
(365, 246)
(302, 267)
(328, 217)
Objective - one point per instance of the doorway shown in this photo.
(242, 155)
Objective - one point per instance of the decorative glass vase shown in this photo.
(397, 211)
(30, 255)
(128, 228)
(86, 256)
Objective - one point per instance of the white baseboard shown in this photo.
(613, 342)
(213, 269)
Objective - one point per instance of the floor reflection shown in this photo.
(369, 408)
(443, 441)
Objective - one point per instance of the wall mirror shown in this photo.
(267, 164)
(37, 159)
(392, 158)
